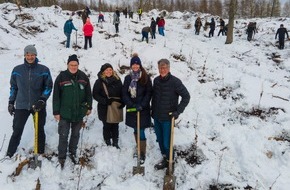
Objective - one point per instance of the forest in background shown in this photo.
(244, 8)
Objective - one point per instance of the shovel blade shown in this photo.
(138, 170)
(169, 182)
(34, 163)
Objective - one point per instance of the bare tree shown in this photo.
(232, 10)
(286, 9)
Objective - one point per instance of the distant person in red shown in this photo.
(88, 33)
(281, 33)
(101, 18)
(161, 24)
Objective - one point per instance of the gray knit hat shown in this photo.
(30, 49)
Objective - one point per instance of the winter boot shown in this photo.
(115, 143)
(61, 162)
(142, 151)
(73, 158)
(163, 164)
(108, 142)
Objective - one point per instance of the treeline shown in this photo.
(244, 8)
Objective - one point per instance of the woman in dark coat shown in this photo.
(114, 86)
(137, 92)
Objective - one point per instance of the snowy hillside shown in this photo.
(234, 134)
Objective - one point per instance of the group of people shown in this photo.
(160, 22)
(212, 25)
(87, 29)
(31, 85)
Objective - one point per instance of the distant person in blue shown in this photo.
(167, 89)
(68, 27)
(281, 33)
(30, 87)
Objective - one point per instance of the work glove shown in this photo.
(175, 114)
(39, 105)
(11, 108)
(139, 108)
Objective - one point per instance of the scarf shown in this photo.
(133, 85)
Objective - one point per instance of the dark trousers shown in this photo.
(211, 33)
(19, 121)
(110, 131)
(221, 31)
(63, 131)
(281, 43)
(153, 34)
(197, 29)
(163, 132)
(250, 35)
(145, 35)
(88, 39)
(117, 28)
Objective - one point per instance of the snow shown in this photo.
(236, 150)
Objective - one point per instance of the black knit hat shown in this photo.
(135, 60)
(73, 57)
(105, 66)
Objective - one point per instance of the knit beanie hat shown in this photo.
(73, 57)
(105, 66)
(135, 60)
(30, 49)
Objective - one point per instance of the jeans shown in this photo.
(161, 31)
(163, 131)
(67, 40)
(142, 134)
(63, 131)
(19, 121)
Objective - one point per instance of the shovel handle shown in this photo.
(36, 132)
(171, 146)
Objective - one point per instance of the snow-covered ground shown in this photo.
(228, 84)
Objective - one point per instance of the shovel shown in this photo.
(169, 178)
(34, 163)
(138, 169)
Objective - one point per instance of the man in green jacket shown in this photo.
(72, 100)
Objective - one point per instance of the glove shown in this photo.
(175, 114)
(139, 108)
(109, 101)
(11, 108)
(39, 105)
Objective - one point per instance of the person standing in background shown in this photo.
(68, 27)
(88, 30)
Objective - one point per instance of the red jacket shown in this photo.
(161, 23)
(88, 28)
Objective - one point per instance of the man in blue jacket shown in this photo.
(68, 27)
(30, 87)
(165, 100)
